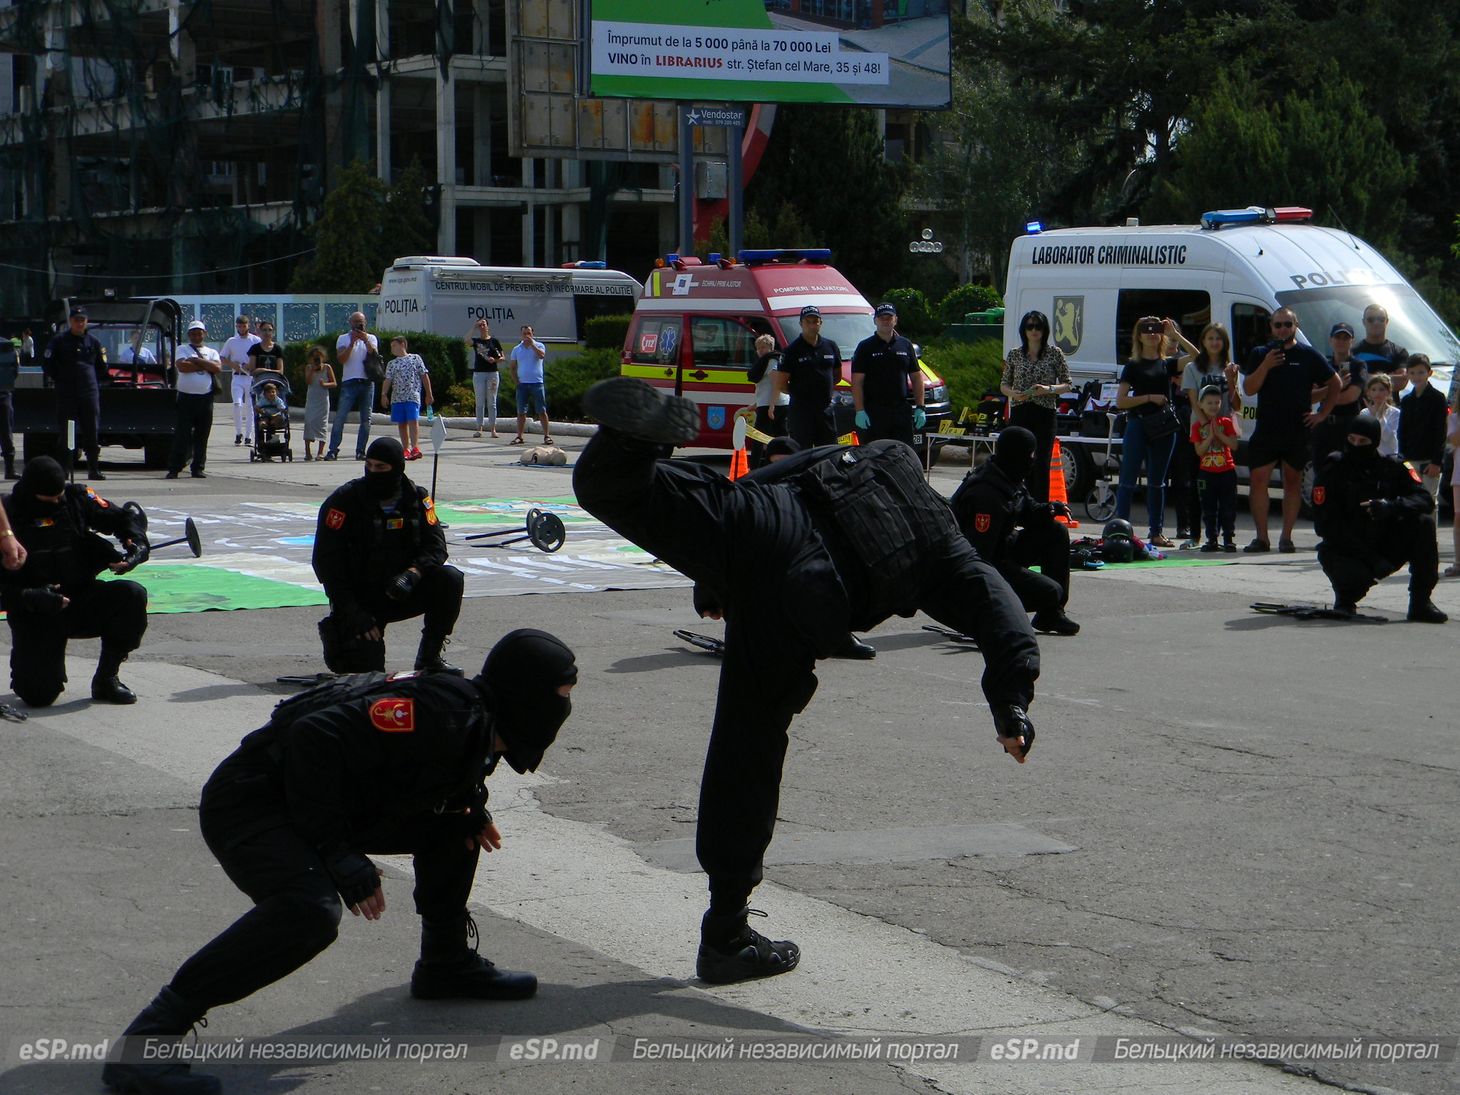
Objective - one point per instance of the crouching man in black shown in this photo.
(1374, 515)
(1012, 531)
(380, 554)
(392, 764)
(56, 595)
(823, 543)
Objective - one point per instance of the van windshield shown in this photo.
(1412, 323)
(846, 330)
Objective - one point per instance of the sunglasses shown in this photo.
(1034, 326)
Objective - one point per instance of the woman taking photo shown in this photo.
(1144, 393)
(1035, 375)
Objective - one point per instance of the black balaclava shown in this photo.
(1014, 452)
(1371, 428)
(386, 485)
(521, 678)
(43, 475)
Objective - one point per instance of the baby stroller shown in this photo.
(270, 427)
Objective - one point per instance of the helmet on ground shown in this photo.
(1118, 526)
(1118, 549)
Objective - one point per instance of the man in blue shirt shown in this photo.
(527, 374)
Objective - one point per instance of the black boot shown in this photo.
(450, 969)
(731, 950)
(1058, 623)
(855, 649)
(93, 466)
(105, 687)
(638, 410)
(10, 472)
(169, 1014)
(428, 656)
(1422, 610)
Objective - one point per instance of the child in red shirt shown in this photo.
(1215, 437)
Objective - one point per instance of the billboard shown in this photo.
(891, 53)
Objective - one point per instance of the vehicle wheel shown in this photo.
(155, 453)
(1100, 502)
(1079, 470)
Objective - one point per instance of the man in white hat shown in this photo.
(197, 365)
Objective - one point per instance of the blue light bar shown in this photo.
(713, 258)
(586, 264)
(1033, 228)
(1218, 217)
(784, 254)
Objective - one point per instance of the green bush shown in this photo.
(606, 332)
(568, 377)
(968, 298)
(968, 368)
(914, 319)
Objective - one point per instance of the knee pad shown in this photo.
(33, 695)
(317, 916)
(350, 653)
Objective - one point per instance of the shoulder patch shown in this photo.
(981, 521)
(393, 715)
(1320, 495)
(98, 499)
(335, 519)
(430, 507)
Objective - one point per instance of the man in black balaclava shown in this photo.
(367, 763)
(1014, 532)
(55, 595)
(380, 554)
(1374, 515)
(828, 541)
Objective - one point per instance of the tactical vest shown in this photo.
(876, 497)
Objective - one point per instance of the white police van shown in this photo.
(1235, 268)
(447, 295)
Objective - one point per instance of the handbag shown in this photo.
(1162, 424)
(374, 366)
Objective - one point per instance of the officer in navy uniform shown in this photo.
(75, 364)
(380, 554)
(809, 369)
(56, 596)
(368, 763)
(1012, 531)
(817, 545)
(885, 373)
(1374, 514)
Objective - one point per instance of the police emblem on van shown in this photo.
(715, 418)
(1069, 323)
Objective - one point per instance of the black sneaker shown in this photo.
(634, 408)
(1257, 547)
(1211, 545)
(746, 957)
(471, 977)
(1055, 622)
(1425, 612)
(238, 439)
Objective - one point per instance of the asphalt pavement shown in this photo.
(1236, 834)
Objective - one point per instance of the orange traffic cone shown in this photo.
(1057, 484)
(739, 464)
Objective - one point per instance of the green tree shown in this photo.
(825, 182)
(1298, 150)
(347, 237)
(406, 229)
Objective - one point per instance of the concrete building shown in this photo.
(185, 145)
